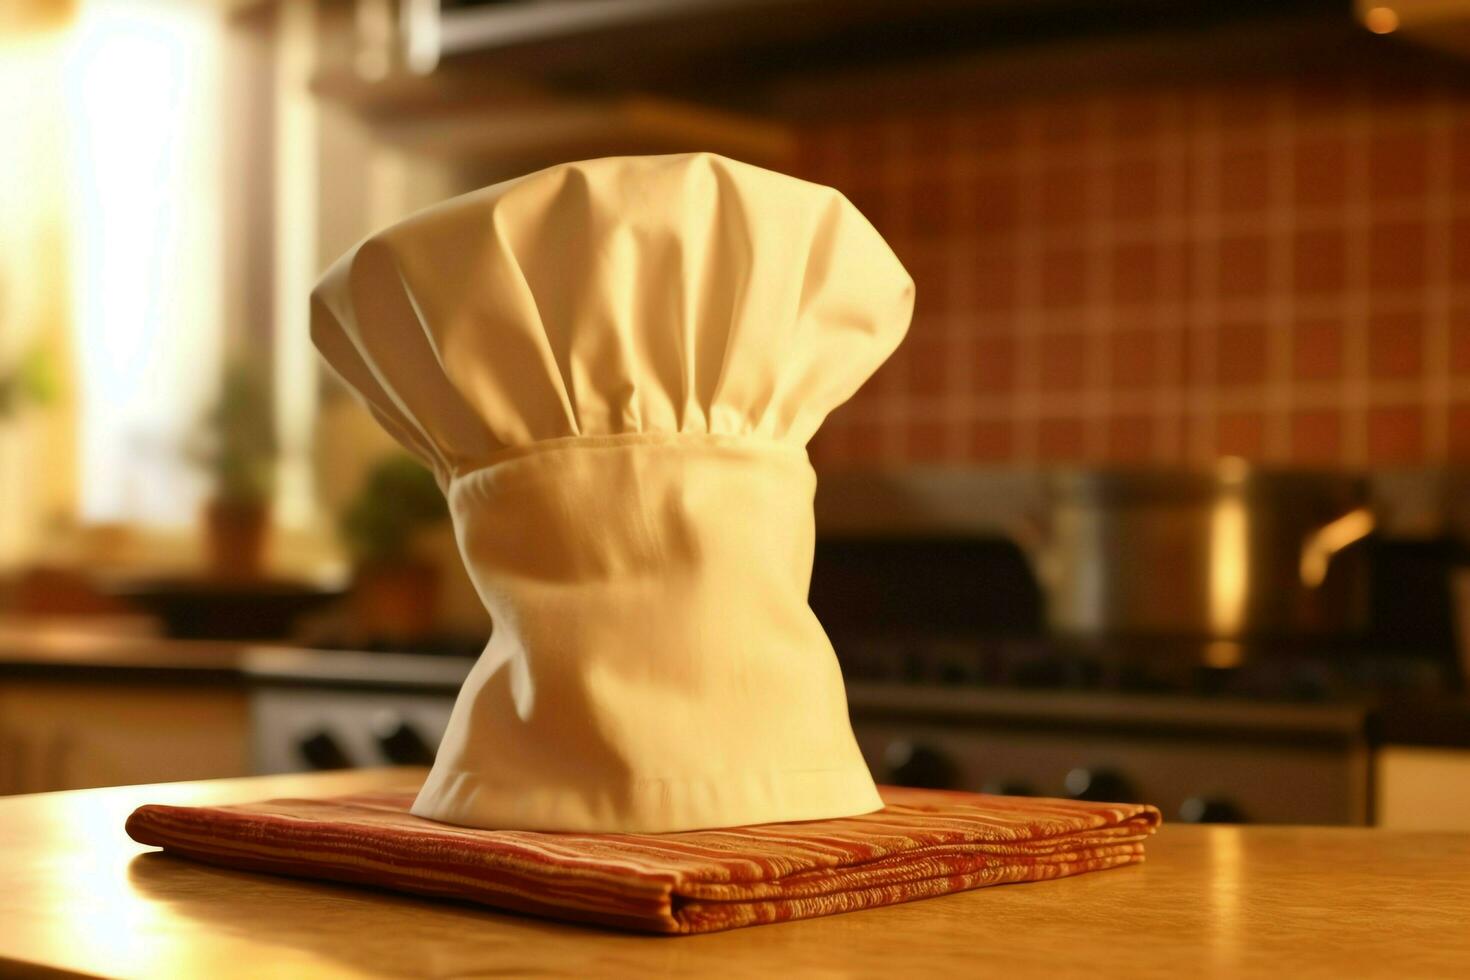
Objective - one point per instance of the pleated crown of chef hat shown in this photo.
(613, 368)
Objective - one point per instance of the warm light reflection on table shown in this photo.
(1224, 849)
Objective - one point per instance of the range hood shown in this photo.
(436, 30)
(447, 28)
(523, 81)
(597, 36)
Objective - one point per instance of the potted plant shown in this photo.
(395, 590)
(30, 381)
(236, 445)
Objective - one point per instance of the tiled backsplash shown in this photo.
(1278, 270)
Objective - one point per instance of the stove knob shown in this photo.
(321, 750)
(1210, 809)
(1100, 786)
(401, 743)
(919, 765)
(1008, 787)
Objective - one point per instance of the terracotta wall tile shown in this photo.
(1321, 98)
(1241, 434)
(1063, 361)
(1200, 347)
(994, 131)
(929, 366)
(1135, 273)
(1133, 358)
(820, 150)
(1060, 439)
(1134, 189)
(1135, 116)
(1398, 165)
(1319, 261)
(1460, 155)
(994, 204)
(1245, 107)
(864, 441)
(1459, 432)
(1243, 265)
(1460, 343)
(1194, 265)
(1063, 195)
(1460, 250)
(931, 207)
(1130, 438)
(993, 364)
(989, 282)
(868, 142)
(1316, 437)
(1320, 171)
(1395, 345)
(1316, 350)
(1063, 122)
(1241, 354)
(1245, 178)
(1397, 252)
(1063, 277)
(1396, 434)
(931, 135)
(990, 440)
(925, 440)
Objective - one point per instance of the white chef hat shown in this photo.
(613, 367)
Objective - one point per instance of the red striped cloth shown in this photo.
(923, 843)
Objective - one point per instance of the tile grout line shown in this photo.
(1281, 212)
(1025, 421)
(893, 436)
(1356, 217)
(1202, 363)
(1436, 361)
(1097, 405)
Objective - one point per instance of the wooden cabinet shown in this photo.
(1420, 788)
(57, 735)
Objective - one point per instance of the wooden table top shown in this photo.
(78, 897)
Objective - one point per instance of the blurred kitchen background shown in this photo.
(1166, 497)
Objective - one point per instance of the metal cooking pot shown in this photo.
(1225, 553)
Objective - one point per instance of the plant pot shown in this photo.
(235, 538)
(395, 600)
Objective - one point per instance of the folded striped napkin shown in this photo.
(922, 843)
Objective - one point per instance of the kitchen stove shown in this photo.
(952, 685)
(359, 709)
(1210, 731)
(1267, 670)
(989, 643)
